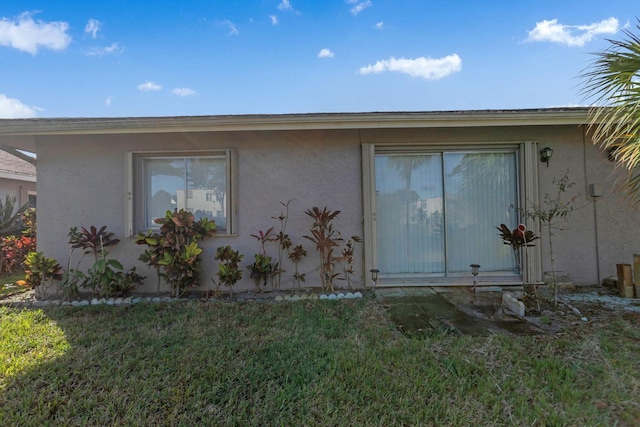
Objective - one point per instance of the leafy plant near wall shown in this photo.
(296, 255)
(263, 268)
(174, 250)
(92, 240)
(284, 242)
(326, 239)
(106, 277)
(11, 223)
(518, 240)
(347, 259)
(41, 272)
(229, 272)
(14, 248)
(73, 277)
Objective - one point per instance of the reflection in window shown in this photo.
(196, 184)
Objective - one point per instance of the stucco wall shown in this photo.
(81, 182)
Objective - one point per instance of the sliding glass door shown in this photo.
(436, 212)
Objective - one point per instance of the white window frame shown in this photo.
(528, 196)
(135, 202)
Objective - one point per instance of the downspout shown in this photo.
(595, 204)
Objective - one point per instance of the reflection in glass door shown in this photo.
(437, 212)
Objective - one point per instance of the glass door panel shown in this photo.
(437, 212)
(410, 214)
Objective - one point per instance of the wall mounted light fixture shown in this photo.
(545, 155)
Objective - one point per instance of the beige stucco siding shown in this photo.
(82, 182)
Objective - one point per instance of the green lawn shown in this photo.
(305, 363)
(8, 286)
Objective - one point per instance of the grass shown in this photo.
(8, 286)
(305, 363)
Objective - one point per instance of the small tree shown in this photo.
(553, 210)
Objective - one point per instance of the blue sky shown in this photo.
(172, 58)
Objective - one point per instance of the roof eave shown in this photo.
(70, 126)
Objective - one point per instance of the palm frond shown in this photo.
(613, 82)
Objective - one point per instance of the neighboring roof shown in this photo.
(12, 167)
(70, 126)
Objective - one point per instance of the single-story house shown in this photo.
(424, 190)
(17, 178)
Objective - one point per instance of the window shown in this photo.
(433, 212)
(28, 195)
(199, 183)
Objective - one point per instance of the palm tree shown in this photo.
(613, 80)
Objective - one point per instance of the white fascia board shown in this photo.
(276, 122)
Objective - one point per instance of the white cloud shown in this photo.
(233, 30)
(325, 53)
(426, 68)
(183, 91)
(92, 27)
(285, 5)
(379, 25)
(571, 35)
(274, 19)
(149, 86)
(108, 100)
(113, 49)
(25, 34)
(11, 108)
(359, 5)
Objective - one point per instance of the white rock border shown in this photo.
(156, 300)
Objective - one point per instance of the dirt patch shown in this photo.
(462, 311)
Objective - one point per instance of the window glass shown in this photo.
(196, 184)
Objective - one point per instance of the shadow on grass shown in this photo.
(306, 363)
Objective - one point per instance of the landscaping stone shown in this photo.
(357, 295)
(95, 301)
(332, 297)
(111, 301)
(83, 303)
(340, 296)
(119, 301)
(102, 301)
(295, 298)
(156, 299)
(279, 298)
(323, 296)
(127, 300)
(75, 303)
(512, 304)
